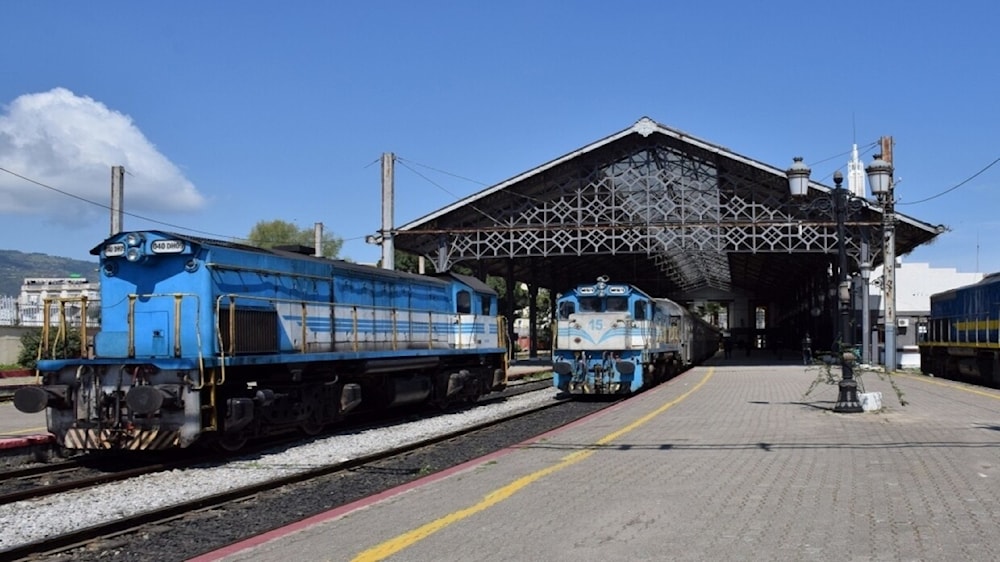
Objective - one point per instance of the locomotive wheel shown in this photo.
(231, 442)
(313, 422)
(312, 426)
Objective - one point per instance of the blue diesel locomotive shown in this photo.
(612, 338)
(962, 334)
(206, 341)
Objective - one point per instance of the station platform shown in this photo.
(740, 459)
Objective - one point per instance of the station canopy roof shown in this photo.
(656, 207)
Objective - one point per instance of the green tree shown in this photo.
(410, 263)
(268, 234)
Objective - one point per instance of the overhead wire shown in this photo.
(108, 207)
(135, 215)
(954, 187)
(432, 182)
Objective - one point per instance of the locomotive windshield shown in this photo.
(617, 304)
(595, 304)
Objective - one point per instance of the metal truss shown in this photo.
(685, 208)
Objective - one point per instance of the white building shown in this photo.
(915, 283)
(66, 290)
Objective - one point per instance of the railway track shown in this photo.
(42, 480)
(39, 481)
(101, 532)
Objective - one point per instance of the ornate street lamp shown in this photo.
(840, 203)
(880, 179)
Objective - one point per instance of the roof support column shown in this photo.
(509, 307)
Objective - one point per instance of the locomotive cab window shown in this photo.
(640, 310)
(591, 304)
(485, 302)
(617, 304)
(463, 302)
(565, 309)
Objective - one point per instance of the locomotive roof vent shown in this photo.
(296, 249)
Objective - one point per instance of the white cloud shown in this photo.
(70, 143)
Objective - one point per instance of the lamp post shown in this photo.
(880, 179)
(866, 321)
(840, 203)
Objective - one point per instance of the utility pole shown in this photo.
(388, 248)
(889, 262)
(117, 198)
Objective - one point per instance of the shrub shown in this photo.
(65, 348)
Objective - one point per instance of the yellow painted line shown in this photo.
(401, 542)
(30, 431)
(949, 384)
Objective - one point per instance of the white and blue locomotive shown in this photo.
(612, 338)
(206, 341)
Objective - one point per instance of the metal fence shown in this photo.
(15, 313)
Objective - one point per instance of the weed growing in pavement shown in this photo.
(541, 375)
(887, 375)
(826, 374)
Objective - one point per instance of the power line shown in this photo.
(107, 207)
(137, 216)
(475, 208)
(954, 187)
(443, 172)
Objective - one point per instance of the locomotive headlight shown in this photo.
(133, 254)
(133, 239)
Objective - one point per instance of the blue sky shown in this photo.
(228, 113)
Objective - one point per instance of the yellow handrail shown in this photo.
(131, 325)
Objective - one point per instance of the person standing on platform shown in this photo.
(807, 350)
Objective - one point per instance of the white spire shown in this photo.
(856, 174)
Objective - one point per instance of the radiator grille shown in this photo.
(255, 331)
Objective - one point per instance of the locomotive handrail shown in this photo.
(83, 326)
(354, 326)
(356, 312)
(177, 325)
(178, 349)
(305, 330)
(131, 324)
(63, 322)
(43, 346)
(395, 329)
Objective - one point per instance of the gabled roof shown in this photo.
(651, 205)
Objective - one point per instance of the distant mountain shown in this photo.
(15, 266)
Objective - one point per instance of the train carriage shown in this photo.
(205, 341)
(612, 338)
